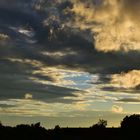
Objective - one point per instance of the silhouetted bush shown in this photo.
(57, 127)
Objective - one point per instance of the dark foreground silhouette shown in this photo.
(130, 128)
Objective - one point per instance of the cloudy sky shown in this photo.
(69, 62)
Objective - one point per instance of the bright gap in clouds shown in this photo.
(89, 98)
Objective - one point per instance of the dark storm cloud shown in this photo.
(120, 89)
(6, 106)
(15, 3)
(130, 100)
(15, 83)
(55, 46)
(78, 51)
(69, 40)
(16, 87)
(86, 57)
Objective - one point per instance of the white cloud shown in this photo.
(28, 96)
(117, 109)
(115, 24)
(126, 80)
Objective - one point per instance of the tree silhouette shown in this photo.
(132, 121)
(101, 124)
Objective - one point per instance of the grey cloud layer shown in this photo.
(57, 44)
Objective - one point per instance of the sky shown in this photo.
(69, 62)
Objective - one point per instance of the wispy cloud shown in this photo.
(24, 107)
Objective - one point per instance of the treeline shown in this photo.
(129, 128)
